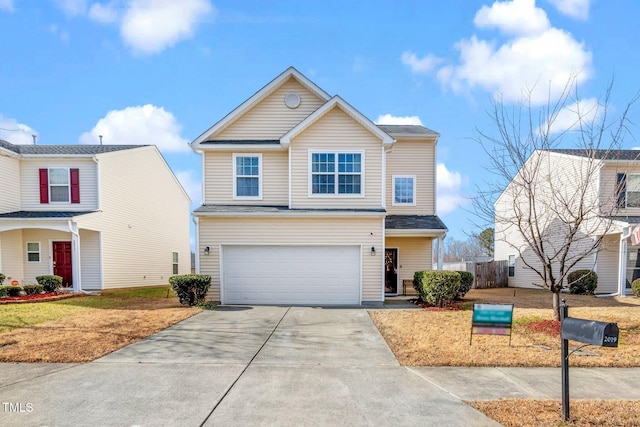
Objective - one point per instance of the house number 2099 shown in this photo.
(610, 339)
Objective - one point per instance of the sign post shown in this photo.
(491, 319)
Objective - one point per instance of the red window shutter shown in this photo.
(44, 186)
(74, 175)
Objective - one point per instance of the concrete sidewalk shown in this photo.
(271, 366)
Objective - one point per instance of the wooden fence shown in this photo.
(492, 274)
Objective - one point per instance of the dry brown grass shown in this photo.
(91, 332)
(548, 413)
(441, 338)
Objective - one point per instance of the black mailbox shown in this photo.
(590, 332)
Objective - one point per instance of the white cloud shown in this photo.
(542, 63)
(570, 117)
(145, 124)
(72, 7)
(449, 185)
(150, 26)
(513, 17)
(14, 132)
(388, 119)
(424, 65)
(6, 5)
(191, 184)
(534, 57)
(577, 9)
(105, 13)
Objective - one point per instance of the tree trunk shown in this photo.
(556, 305)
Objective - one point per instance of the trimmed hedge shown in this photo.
(10, 291)
(191, 289)
(49, 282)
(2, 277)
(437, 288)
(635, 287)
(33, 289)
(582, 282)
(466, 282)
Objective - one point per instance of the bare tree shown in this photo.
(459, 250)
(546, 211)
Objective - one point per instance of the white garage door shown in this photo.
(297, 275)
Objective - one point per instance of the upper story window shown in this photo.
(336, 173)
(59, 185)
(404, 190)
(247, 176)
(628, 190)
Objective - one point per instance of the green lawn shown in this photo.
(14, 316)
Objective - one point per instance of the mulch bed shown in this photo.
(454, 306)
(52, 296)
(547, 327)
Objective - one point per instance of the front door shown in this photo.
(62, 265)
(391, 270)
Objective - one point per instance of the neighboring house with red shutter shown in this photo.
(100, 216)
(307, 201)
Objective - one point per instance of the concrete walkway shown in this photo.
(256, 366)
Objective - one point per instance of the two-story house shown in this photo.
(601, 185)
(99, 216)
(306, 201)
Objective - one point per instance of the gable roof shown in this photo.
(336, 102)
(599, 154)
(274, 84)
(64, 149)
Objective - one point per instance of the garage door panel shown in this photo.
(300, 275)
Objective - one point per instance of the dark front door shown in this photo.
(62, 265)
(391, 271)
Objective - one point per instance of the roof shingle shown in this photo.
(64, 149)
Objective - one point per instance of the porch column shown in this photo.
(622, 265)
(441, 250)
(75, 256)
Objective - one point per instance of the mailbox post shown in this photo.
(586, 331)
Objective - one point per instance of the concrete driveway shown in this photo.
(244, 366)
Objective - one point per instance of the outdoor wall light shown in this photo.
(373, 250)
(206, 250)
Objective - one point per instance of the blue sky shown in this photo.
(163, 71)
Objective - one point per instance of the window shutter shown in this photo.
(621, 190)
(74, 178)
(44, 186)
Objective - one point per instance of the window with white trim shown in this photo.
(336, 173)
(33, 251)
(59, 188)
(247, 176)
(404, 190)
(512, 265)
(175, 262)
(628, 190)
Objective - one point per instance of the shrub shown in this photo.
(10, 291)
(437, 288)
(635, 287)
(190, 288)
(466, 281)
(2, 277)
(50, 283)
(4, 290)
(33, 289)
(582, 282)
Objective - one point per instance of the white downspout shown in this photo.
(622, 261)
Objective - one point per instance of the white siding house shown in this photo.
(298, 200)
(609, 181)
(100, 216)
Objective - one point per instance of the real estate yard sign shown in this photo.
(491, 319)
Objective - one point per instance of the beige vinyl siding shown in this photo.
(46, 239)
(144, 218)
(307, 231)
(10, 184)
(607, 268)
(411, 157)
(336, 131)
(91, 270)
(414, 254)
(12, 259)
(608, 182)
(271, 118)
(218, 172)
(30, 179)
